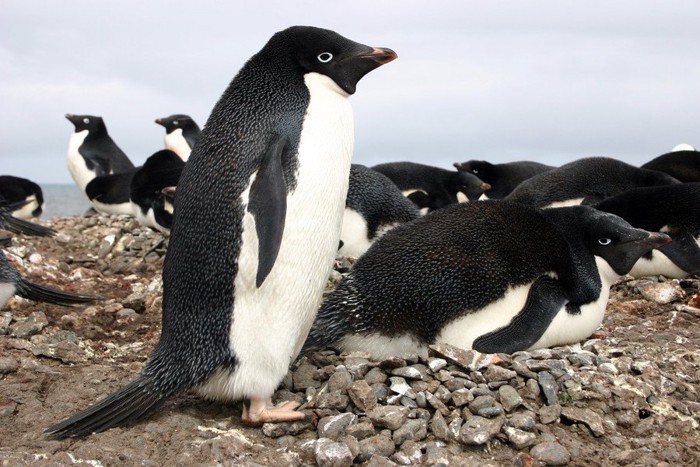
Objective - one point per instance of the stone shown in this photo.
(438, 426)
(436, 364)
(551, 453)
(496, 373)
(378, 460)
(305, 377)
(332, 454)
(468, 359)
(391, 417)
(549, 414)
(661, 292)
(378, 444)
(357, 366)
(400, 386)
(362, 395)
(339, 381)
(481, 402)
(8, 365)
(410, 454)
(415, 430)
(520, 439)
(31, 325)
(5, 320)
(586, 416)
(333, 426)
(510, 399)
(461, 397)
(276, 430)
(479, 430)
(360, 430)
(411, 372)
(375, 375)
(436, 403)
(549, 387)
(522, 421)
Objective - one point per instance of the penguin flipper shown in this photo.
(683, 251)
(101, 165)
(40, 293)
(128, 405)
(20, 226)
(544, 301)
(268, 205)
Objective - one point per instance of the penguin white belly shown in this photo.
(25, 212)
(76, 163)
(121, 208)
(270, 323)
(462, 198)
(564, 203)
(7, 290)
(659, 264)
(178, 144)
(567, 328)
(147, 218)
(483, 197)
(353, 234)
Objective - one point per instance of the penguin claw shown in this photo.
(261, 412)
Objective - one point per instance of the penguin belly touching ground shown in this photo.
(92, 152)
(256, 226)
(109, 194)
(585, 181)
(181, 133)
(24, 193)
(432, 188)
(683, 164)
(151, 187)
(672, 209)
(12, 283)
(374, 206)
(503, 178)
(493, 276)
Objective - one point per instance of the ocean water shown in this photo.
(63, 200)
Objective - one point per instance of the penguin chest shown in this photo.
(29, 209)
(7, 290)
(77, 166)
(354, 234)
(177, 143)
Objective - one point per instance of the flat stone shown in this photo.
(586, 416)
(5, 320)
(409, 454)
(461, 397)
(520, 439)
(357, 366)
(339, 381)
(391, 417)
(375, 375)
(411, 372)
(436, 364)
(333, 426)
(411, 430)
(332, 454)
(31, 325)
(479, 430)
(661, 292)
(551, 453)
(436, 403)
(549, 413)
(334, 400)
(305, 377)
(522, 421)
(362, 395)
(469, 359)
(400, 386)
(438, 426)
(360, 430)
(549, 387)
(510, 399)
(8, 364)
(392, 362)
(276, 430)
(378, 460)
(378, 444)
(481, 402)
(496, 373)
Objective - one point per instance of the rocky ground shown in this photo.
(628, 396)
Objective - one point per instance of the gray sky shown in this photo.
(549, 81)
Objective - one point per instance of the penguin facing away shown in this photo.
(181, 133)
(672, 209)
(109, 194)
(24, 192)
(13, 283)
(585, 181)
(374, 206)
(494, 276)
(681, 164)
(255, 230)
(151, 186)
(92, 152)
(503, 178)
(431, 187)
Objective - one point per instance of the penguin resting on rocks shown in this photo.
(255, 231)
(493, 276)
(23, 192)
(503, 178)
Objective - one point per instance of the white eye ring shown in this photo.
(604, 241)
(176, 123)
(325, 57)
(475, 171)
(86, 120)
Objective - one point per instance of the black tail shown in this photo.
(40, 293)
(20, 226)
(128, 405)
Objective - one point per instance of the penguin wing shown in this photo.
(101, 164)
(268, 205)
(683, 251)
(40, 293)
(544, 300)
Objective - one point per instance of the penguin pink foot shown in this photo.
(262, 411)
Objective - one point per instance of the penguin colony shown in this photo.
(508, 257)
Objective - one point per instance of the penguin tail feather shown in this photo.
(20, 226)
(126, 406)
(40, 293)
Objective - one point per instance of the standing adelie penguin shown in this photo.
(255, 230)
(92, 152)
(494, 276)
(150, 188)
(25, 193)
(181, 132)
(431, 187)
(374, 206)
(585, 181)
(683, 164)
(503, 178)
(672, 209)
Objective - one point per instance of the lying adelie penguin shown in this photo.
(255, 231)
(493, 276)
(24, 192)
(503, 178)
(20, 226)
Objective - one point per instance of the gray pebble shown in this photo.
(332, 454)
(304, 377)
(436, 364)
(411, 430)
(378, 444)
(585, 416)
(375, 375)
(510, 399)
(438, 426)
(362, 395)
(8, 365)
(520, 439)
(31, 325)
(496, 373)
(549, 387)
(549, 413)
(551, 453)
(391, 417)
(479, 430)
(461, 397)
(360, 430)
(339, 381)
(332, 427)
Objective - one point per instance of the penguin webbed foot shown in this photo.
(262, 411)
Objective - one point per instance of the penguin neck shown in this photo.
(315, 81)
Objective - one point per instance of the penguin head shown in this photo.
(328, 53)
(613, 239)
(481, 169)
(471, 185)
(175, 121)
(92, 123)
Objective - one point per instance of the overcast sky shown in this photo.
(550, 81)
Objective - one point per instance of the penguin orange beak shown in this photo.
(381, 55)
(657, 239)
(159, 121)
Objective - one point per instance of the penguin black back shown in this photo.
(503, 178)
(18, 190)
(682, 165)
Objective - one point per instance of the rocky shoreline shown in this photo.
(627, 396)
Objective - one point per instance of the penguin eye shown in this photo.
(604, 241)
(86, 120)
(176, 123)
(475, 171)
(325, 57)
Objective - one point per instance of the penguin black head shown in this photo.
(616, 241)
(471, 185)
(328, 53)
(481, 169)
(91, 123)
(175, 121)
